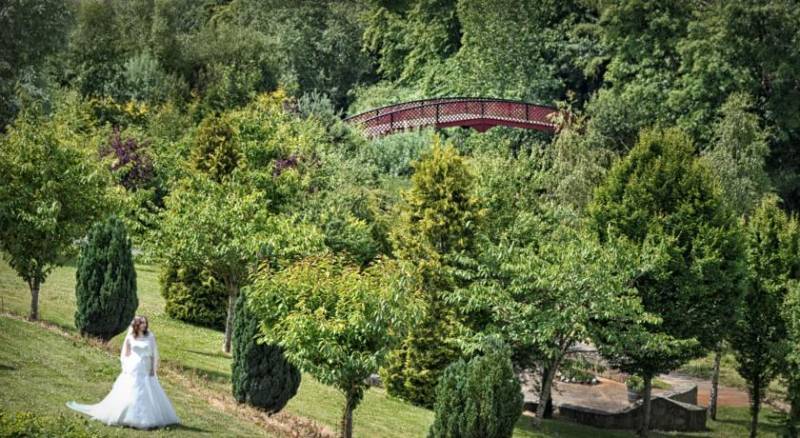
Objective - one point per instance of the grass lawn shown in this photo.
(41, 370)
(728, 376)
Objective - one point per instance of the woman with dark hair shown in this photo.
(136, 399)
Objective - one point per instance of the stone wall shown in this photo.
(666, 414)
(687, 395)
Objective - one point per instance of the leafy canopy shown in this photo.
(52, 188)
(661, 196)
(333, 321)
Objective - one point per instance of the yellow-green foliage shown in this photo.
(193, 295)
(437, 227)
(441, 215)
(791, 312)
(215, 152)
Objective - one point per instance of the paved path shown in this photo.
(728, 396)
(608, 395)
(611, 395)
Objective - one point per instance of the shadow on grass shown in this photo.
(563, 428)
(69, 328)
(207, 354)
(171, 428)
(142, 267)
(774, 427)
(187, 428)
(4, 367)
(214, 376)
(194, 324)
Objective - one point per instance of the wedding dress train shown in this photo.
(136, 399)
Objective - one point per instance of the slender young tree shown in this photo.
(737, 158)
(227, 229)
(791, 315)
(333, 321)
(51, 191)
(759, 342)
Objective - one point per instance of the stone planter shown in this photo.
(634, 396)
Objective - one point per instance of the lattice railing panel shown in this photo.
(442, 112)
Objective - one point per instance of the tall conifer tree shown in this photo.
(436, 232)
(105, 282)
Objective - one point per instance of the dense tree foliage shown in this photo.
(51, 190)
(226, 229)
(31, 30)
(436, 231)
(481, 397)
(661, 194)
(627, 64)
(558, 289)
(105, 287)
(213, 129)
(193, 295)
(334, 321)
(772, 241)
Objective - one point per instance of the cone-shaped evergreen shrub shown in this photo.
(435, 232)
(215, 153)
(106, 282)
(479, 398)
(411, 371)
(193, 295)
(261, 375)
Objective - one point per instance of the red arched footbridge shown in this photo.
(474, 112)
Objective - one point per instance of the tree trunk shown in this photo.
(644, 430)
(347, 417)
(755, 406)
(794, 417)
(712, 403)
(233, 294)
(548, 410)
(34, 285)
(548, 373)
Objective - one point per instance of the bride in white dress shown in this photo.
(136, 399)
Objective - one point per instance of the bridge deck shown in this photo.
(478, 113)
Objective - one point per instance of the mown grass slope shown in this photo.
(41, 369)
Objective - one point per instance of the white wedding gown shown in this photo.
(136, 399)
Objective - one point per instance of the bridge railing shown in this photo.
(480, 113)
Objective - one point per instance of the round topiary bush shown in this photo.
(193, 295)
(481, 397)
(106, 282)
(261, 375)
